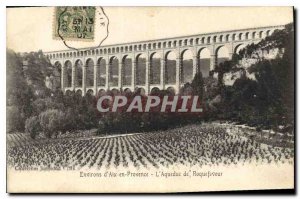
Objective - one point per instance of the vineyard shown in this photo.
(190, 145)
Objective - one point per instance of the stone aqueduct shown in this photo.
(162, 48)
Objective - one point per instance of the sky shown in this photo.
(31, 29)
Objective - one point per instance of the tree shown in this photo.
(197, 85)
(18, 93)
(38, 68)
(52, 122)
(14, 119)
(25, 83)
(267, 101)
(32, 126)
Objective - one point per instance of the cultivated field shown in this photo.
(192, 145)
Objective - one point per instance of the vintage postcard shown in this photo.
(150, 99)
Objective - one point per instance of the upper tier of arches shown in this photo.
(205, 39)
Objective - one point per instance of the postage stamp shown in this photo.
(75, 23)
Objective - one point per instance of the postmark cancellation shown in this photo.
(74, 23)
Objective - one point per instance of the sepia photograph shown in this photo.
(104, 99)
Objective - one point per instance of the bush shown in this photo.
(39, 105)
(32, 126)
(42, 104)
(52, 122)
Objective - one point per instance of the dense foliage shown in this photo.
(268, 100)
(265, 102)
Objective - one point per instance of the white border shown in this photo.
(3, 5)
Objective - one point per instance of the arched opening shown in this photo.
(260, 34)
(127, 90)
(240, 36)
(222, 54)
(101, 72)
(227, 37)
(155, 91)
(204, 61)
(191, 42)
(115, 91)
(238, 48)
(247, 35)
(141, 91)
(233, 37)
(155, 67)
(187, 66)
(68, 93)
(101, 92)
(141, 69)
(89, 72)
(57, 75)
(185, 42)
(78, 73)
(221, 38)
(79, 92)
(90, 92)
(186, 90)
(208, 40)
(174, 44)
(214, 39)
(68, 74)
(154, 45)
(127, 70)
(170, 91)
(114, 71)
(170, 68)
(203, 40)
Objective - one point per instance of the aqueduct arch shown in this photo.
(113, 71)
(78, 70)
(57, 75)
(127, 70)
(141, 70)
(204, 57)
(101, 72)
(170, 67)
(90, 72)
(222, 54)
(187, 66)
(68, 73)
(155, 68)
